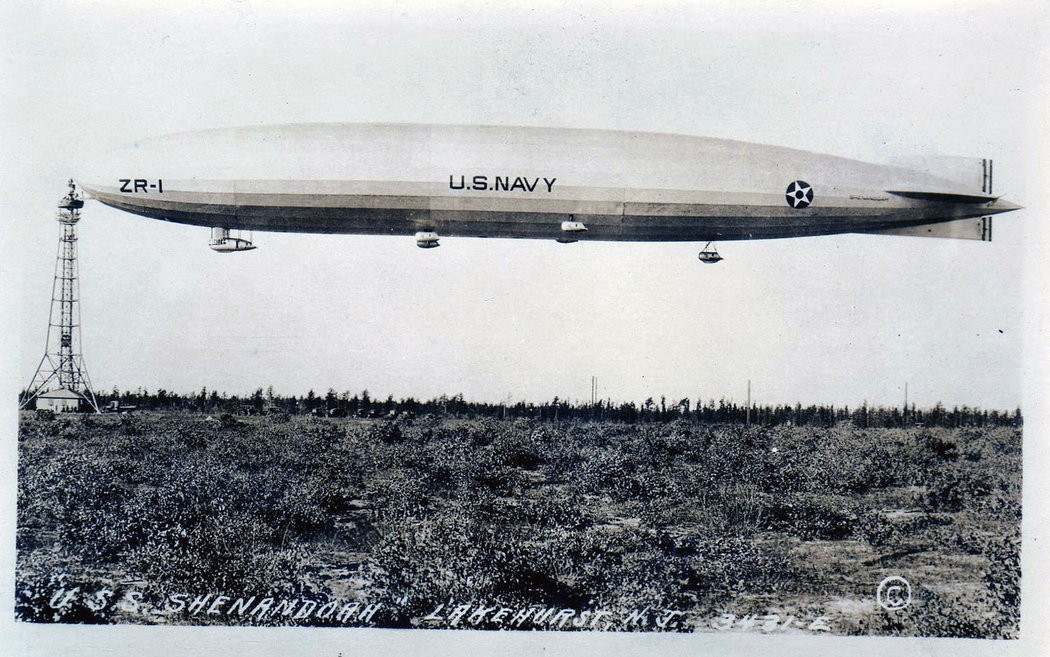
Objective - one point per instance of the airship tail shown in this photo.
(975, 180)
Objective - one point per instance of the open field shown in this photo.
(181, 518)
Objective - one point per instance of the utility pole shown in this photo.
(749, 402)
(594, 398)
(905, 403)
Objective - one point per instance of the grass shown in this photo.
(726, 526)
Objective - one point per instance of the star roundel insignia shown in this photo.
(799, 194)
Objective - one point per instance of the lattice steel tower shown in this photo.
(63, 364)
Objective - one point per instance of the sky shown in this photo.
(842, 319)
(819, 320)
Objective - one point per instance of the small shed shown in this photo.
(62, 400)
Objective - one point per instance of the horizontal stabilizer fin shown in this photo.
(945, 198)
(969, 172)
(978, 228)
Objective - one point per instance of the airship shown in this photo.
(427, 182)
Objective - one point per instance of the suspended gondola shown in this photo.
(709, 255)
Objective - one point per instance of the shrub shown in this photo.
(814, 517)
(517, 513)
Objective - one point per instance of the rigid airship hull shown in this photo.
(477, 181)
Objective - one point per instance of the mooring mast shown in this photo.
(62, 362)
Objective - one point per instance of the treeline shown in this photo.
(347, 404)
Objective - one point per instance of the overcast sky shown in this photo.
(839, 319)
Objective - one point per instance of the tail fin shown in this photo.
(944, 197)
(969, 172)
(978, 228)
